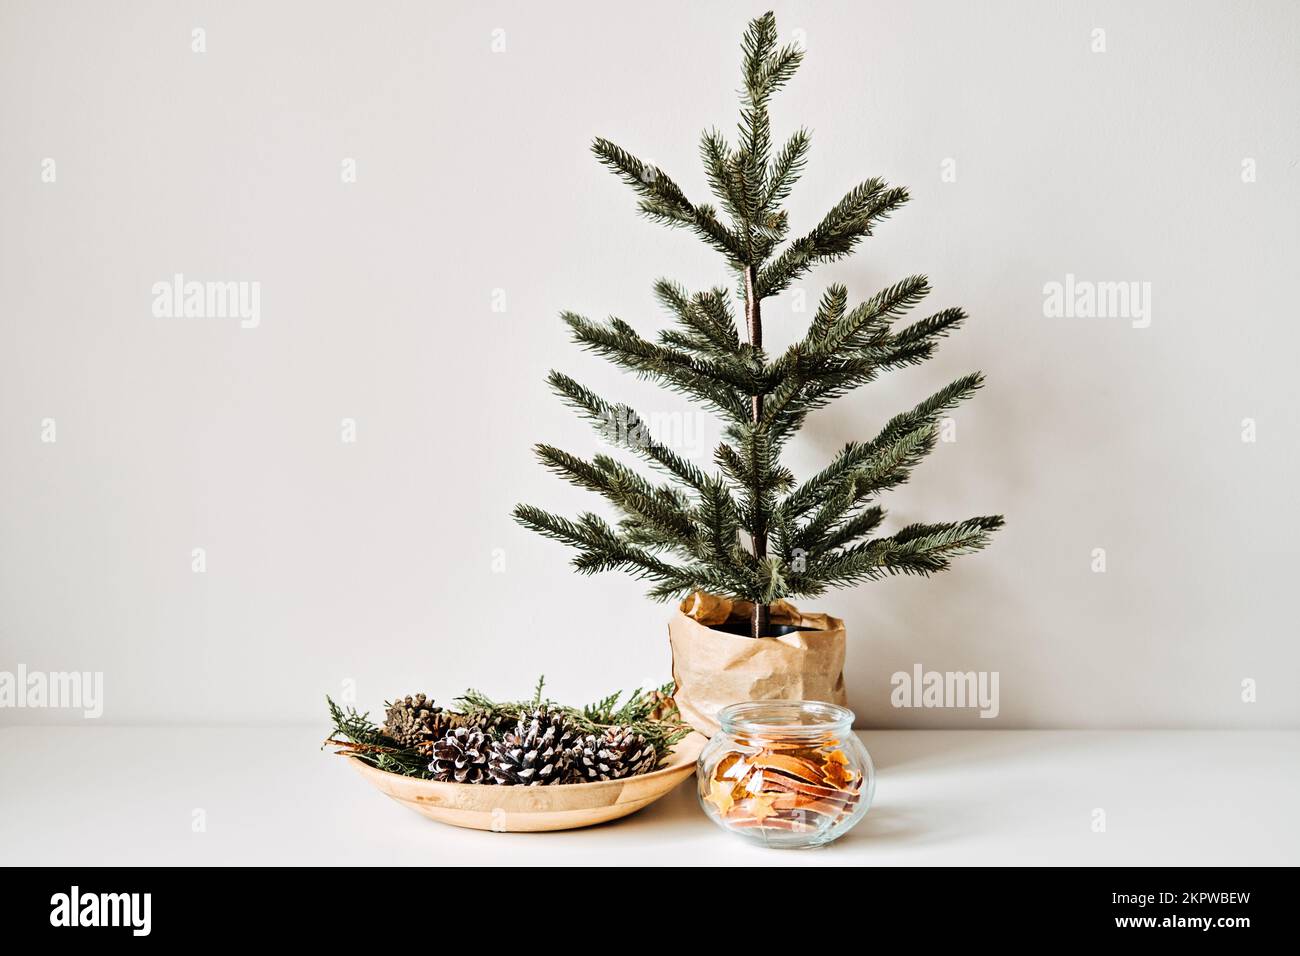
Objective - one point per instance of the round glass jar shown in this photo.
(786, 773)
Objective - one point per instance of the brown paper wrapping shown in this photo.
(713, 668)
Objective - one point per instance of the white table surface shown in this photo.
(126, 795)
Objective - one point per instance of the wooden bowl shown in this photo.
(533, 809)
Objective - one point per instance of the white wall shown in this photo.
(373, 561)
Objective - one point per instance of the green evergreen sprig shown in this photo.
(358, 736)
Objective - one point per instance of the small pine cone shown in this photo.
(544, 719)
(535, 754)
(460, 757)
(414, 720)
(618, 753)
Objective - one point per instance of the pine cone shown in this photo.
(414, 720)
(460, 757)
(556, 720)
(536, 753)
(618, 753)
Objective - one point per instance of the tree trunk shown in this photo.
(759, 621)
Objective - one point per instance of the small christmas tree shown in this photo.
(802, 537)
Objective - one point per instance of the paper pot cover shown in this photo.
(713, 668)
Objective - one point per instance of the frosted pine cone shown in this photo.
(461, 757)
(537, 753)
(618, 753)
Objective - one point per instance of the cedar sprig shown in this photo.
(356, 735)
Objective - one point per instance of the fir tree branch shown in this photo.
(718, 163)
(786, 169)
(663, 201)
(651, 183)
(766, 70)
(857, 526)
(835, 236)
(857, 454)
(623, 427)
(869, 321)
(912, 345)
(706, 317)
(724, 384)
(930, 328)
(657, 510)
(600, 547)
(718, 524)
(887, 468)
(917, 549)
(843, 351)
(830, 310)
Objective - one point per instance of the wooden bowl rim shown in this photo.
(676, 765)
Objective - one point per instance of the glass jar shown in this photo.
(786, 773)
